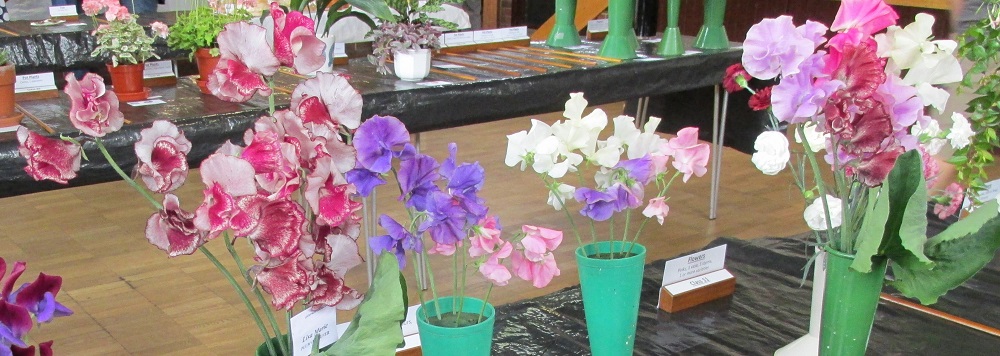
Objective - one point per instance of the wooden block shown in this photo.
(160, 82)
(672, 303)
(416, 351)
(36, 95)
(475, 47)
(340, 60)
(596, 36)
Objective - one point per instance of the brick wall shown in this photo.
(506, 13)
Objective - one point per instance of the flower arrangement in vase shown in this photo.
(447, 217)
(125, 44)
(283, 191)
(860, 95)
(20, 308)
(610, 270)
(8, 75)
(407, 38)
(196, 32)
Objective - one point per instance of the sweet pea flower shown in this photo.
(658, 208)
(48, 158)
(288, 282)
(561, 194)
(771, 154)
(961, 131)
(773, 47)
(816, 217)
(598, 205)
(277, 230)
(485, 237)
(379, 140)
(492, 270)
(172, 229)
(814, 140)
(869, 16)
(160, 29)
(540, 273)
(244, 59)
(295, 41)
(398, 240)
(813, 31)
(327, 98)
(539, 241)
(522, 145)
(933, 96)
(225, 178)
(93, 109)
(330, 290)
(329, 195)
(690, 157)
(162, 154)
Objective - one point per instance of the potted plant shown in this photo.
(407, 38)
(8, 115)
(126, 45)
(196, 32)
(860, 94)
(446, 217)
(282, 190)
(611, 260)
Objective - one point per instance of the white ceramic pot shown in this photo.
(412, 64)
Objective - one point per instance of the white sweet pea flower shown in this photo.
(609, 152)
(911, 48)
(575, 106)
(772, 152)
(929, 131)
(814, 140)
(816, 217)
(603, 178)
(936, 68)
(520, 144)
(961, 131)
(932, 96)
(562, 194)
(625, 129)
(581, 134)
(640, 144)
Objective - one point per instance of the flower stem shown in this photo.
(243, 296)
(129, 180)
(628, 218)
(485, 300)
(820, 184)
(572, 223)
(430, 275)
(461, 293)
(270, 98)
(454, 271)
(420, 292)
(256, 291)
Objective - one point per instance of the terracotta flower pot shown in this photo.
(127, 81)
(206, 64)
(8, 116)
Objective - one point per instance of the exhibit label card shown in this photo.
(600, 25)
(488, 36)
(147, 102)
(410, 324)
(158, 69)
(458, 39)
(701, 281)
(515, 33)
(62, 11)
(694, 265)
(309, 323)
(28, 83)
(339, 50)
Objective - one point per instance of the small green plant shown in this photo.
(409, 27)
(200, 27)
(336, 10)
(979, 45)
(124, 41)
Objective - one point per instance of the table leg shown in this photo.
(718, 137)
(642, 112)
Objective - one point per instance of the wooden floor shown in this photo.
(129, 298)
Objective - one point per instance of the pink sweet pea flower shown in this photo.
(295, 41)
(331, 291)
(690, 157)
(485, 238)
(93, 109)
(658, 208)
(495, 272)
(244, 59)
(443, 249)
(327, 98)
(48, 158)
(539, 242)
(160, 29)
(162, 154)
(329, 195)
(172, 229)
(540, 273)
(288, 282)
(869, 16)
(225, 177)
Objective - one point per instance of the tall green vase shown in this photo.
(474, 340)
(564, 34)
(610, 289)
(621, 41)
(712, 35)
(849, 304)
(671, 43)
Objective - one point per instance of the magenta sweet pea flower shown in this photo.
(48, 158)
(379, 140)
(162, 154)
(173, 230)
(93, 109)
(15, 322)
(295, 41)
(44, 349)
(869, 16)
(328, 98)
(288, 282)
(244, 59)
(329, 195)
(773, 47)
(690, 157)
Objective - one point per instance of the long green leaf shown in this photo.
(906, 228)
(377, 8)
(872, 228)
(376, 328)
(958, 253)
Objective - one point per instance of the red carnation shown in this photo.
(729, 81)
(761, 99)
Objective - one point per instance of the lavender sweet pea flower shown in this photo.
(627, 197)
(799, 97)
(379, 140)
(640, 169)
(599, 205)
(364, 180)
(398, 240)
(774, 46)
(416, 180)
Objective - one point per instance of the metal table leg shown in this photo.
(642, 112)
(718, 137)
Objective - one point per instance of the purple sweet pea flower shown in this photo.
(445, 220)
(627, 197)
(378, 140)
(398, 240)
(599, 205)
(640, 169)
(416, 180)
(364, 180)
(799, 97)
(39, 297)
(813, 31)
(774, 46)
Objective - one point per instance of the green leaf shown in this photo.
(378, 8)
(872, 228)
(376, 328)
(906, 228)
(958, 253)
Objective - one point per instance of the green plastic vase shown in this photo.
(621, 41)
(611, 289)
(849, 304)
(474, 340)
(671, 43)
(712, 35)
(564, 33)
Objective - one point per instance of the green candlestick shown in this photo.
(564, 33)
(713, 34)
(671, 43)
(621, 41)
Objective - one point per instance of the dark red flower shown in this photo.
(280, 227)
(729, 80)
(761, 99)
(48, 158)
(873, 169)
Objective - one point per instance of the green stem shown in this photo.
(820, 184)
(485, 300)
(562, 202)
(420, 292)
(288, 317)
(256, 291)
(243, 296)
(430, 275)
(270, 98)
(461, 293)
(129, 180)
(454, 271)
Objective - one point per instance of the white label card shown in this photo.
(458, 39)
(434, 83)
(488, 36)
(698, 282)
(339, 50)
(62, 11)
(158, 69)
(513, 33)
(309, 323)
(695, 264)
(448, 66)
(600, 25)
(28, 83)
(410, 324)
(147, 102)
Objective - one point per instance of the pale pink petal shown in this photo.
(342, 101)
(247, 44)
(236, 176)
(173, 229)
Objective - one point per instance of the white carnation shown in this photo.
(816, 217)
(961, 131)
(772, 152)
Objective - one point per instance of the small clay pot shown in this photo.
(206, 64)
